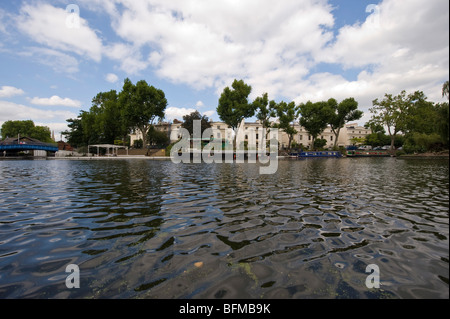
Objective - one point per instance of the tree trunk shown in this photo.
(336, 137)
(144, 130)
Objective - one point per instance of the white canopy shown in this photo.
(108, 147)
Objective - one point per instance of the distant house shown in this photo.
(63, 146)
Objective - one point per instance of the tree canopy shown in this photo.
(234, 105)
(113, 115)
(315, 117)
(344, 112)
(26, 128)
(188, 122)
(286, 114)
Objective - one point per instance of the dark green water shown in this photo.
(154, 229)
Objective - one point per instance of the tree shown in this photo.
(392, 112)
(189, 122)
(156, 137)
(445, 90)
(265, 111)
(233, 104)
(109, 120)
(26, 128)
(74, 135)
(286, 114)
(344, 112)
(315, 117)
(141, 105)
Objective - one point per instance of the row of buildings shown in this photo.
(222, 131)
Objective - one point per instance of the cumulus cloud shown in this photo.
(10, 91)
(14, 111)
(55, 101)
(112, 78)
(400, 46)
(173, 113)
(46, 25)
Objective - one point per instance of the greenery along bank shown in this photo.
(409, 120)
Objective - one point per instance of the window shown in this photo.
(301, 137)
(218, 135)
(218, 127)
(331, 138)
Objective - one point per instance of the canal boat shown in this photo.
(368, 153)
(316, 154)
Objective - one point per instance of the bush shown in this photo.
(320, 143)
(421, 143)
(138, 143)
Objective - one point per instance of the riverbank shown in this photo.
(433, 155)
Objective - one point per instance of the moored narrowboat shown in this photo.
(368, 153)
(316, 154)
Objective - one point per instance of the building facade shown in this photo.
(222, 131)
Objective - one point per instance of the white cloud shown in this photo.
(14, 111)
(199, 104)
(209, 114)
(46, 24)
(173, 113)
(208, 44)
(112, 78)
(128, 56)
(55, 101)
(10, 91)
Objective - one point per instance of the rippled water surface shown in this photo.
(155, 229)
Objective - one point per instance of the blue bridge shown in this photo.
(13, 146)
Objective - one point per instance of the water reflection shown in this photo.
(154, 229)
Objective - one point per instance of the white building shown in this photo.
(221, 130)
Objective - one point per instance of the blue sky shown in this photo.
(298, 50)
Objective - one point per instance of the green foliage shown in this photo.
(315, 117)
(141, 105)
(344, 112)
(264, 110)
(286, 114)
(234, 105)
(320, 143)
(189, 122)
(156, 137)
(26, 128)
(138, 143)
(422, 142)
(113, 115)
(392, 112)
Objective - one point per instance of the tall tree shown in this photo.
(26, 128)
(75, 135)
(265, 111)
(141, 105)
(344, 112)
(392, 112)
(109, 121)
(445, 90)
(315, 117)
(188, 122)
(286, 114)
(234, 105)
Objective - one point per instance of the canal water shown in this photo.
(138, 228)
